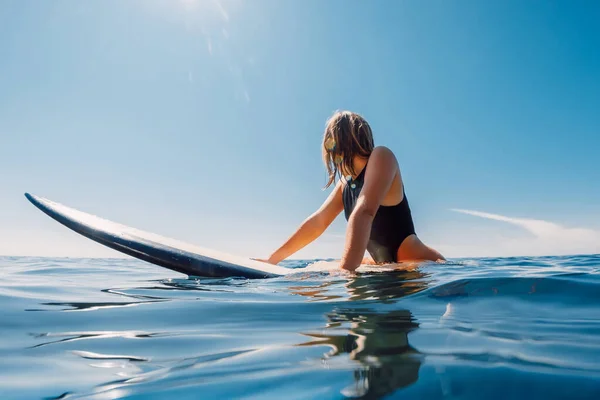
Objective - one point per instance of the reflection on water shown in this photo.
(74, 336)
(317, 292)
(384, 287)
(376, 341)
(79, 306)
(387, 287)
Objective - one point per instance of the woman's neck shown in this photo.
(358, 163)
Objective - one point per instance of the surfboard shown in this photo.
(169, 253)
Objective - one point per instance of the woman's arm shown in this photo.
(378, 180)
(312, 227)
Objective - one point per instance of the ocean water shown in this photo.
(496, 328)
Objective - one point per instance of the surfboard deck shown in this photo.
(162, 251)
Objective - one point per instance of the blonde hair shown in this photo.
(347, 134)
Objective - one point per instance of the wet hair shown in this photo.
(347, 134)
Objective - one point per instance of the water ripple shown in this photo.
(515, 327)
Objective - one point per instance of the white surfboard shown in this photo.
(165, 252)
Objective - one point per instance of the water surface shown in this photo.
(496, 328)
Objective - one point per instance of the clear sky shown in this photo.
(202, 120)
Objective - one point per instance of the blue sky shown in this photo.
(202, 120)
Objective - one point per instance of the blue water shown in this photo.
(497, 328)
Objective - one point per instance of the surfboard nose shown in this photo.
(33, 198)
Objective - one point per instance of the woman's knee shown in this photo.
(413, 249)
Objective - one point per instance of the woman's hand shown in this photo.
(265, 261)
(369, 261)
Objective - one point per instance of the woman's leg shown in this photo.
(412, 249)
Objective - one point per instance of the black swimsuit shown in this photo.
(391, 225)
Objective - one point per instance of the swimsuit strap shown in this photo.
(363, 171)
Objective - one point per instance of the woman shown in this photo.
(371, 194)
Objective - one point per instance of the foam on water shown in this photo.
(470, 329)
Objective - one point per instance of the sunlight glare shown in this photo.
(188, 4)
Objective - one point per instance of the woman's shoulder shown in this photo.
(382, 154)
